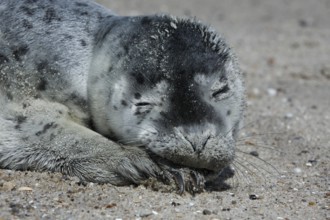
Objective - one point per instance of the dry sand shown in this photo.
(284, 50)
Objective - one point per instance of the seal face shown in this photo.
(175, 88)
(74, 77)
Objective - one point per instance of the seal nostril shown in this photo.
(205, 142)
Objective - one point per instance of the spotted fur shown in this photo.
(77, 82)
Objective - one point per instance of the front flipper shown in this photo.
(181, 179)
(42, 136)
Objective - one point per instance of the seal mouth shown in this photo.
(217, 154)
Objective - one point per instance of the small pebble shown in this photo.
(254, 153)
(297, 170)
(311, 203)
(272, 92)
(253, 197)
(175, 204)
(256, 91)
(325, 71)
(327, 195)
(303, 23)
(25, 188)
(8, 186)
(154, 37)
(313, 162)
(271, 61)
(111, 205)
(143, 215)
(173, 25)
(289, 115)
(207, 212)
(308, 164)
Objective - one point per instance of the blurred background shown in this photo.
(264, 33)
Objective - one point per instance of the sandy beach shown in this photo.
(282, 168)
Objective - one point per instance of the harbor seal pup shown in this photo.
(114, 99)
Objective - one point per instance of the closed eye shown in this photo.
(140, 104)
(220, 91)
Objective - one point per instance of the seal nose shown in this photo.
(196, 138)
(198, 144)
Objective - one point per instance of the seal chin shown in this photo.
(215, 154)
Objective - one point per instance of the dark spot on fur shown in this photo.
(139, 78)
(81, 4)
(20, 119)
(31, 1)
(84, 13)
(119, 55)
(69, 37)
(126, 48)
(83, 43)
(3, 59)
(165, 115)
(51, 15)
(115, 108)
(78, 100)
(123, 102)
(42, 85)
(42, 65)
(75, 144)
(28, 11)
(228, 112)
(25, 139)
(9, 96)
(37, 96)
(27, 24)
(146, 21)
(128, 131)
(99, 16)
(80, 12)
(46, 127)
(52, 136)
(137, 95)
(19, 52)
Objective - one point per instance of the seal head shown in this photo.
(172, 86)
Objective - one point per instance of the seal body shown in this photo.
(88, 93)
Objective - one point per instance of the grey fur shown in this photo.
(74, 76)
